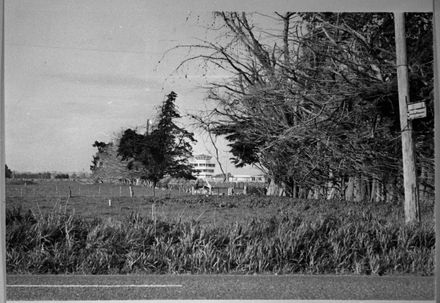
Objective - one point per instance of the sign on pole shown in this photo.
(416, 110)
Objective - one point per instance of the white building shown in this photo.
(203, 165)
(247, 178)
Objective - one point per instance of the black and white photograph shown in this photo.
(200, 150)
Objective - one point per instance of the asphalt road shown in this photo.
(202, 287)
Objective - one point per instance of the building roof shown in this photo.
(202, 157)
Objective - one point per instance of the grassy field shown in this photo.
(56, 189)
(49, 232)
(92, 200)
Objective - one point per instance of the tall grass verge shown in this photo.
(353, 243)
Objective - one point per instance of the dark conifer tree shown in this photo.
(163, 152)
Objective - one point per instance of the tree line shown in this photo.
(312, 100)
(26, 175)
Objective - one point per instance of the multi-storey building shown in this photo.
(203, 165)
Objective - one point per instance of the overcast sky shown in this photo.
(80, 71)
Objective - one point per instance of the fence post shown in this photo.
(131, 191)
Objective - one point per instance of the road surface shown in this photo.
(202, 287)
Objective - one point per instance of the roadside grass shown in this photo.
(237, 234)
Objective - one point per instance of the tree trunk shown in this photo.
(331, 193)
(391, 194)
(349, 191)
(424, 192)
(331, 187)
(377, 191)
(302, 192)
(366, 187)
(342, 188)
(422, 187)
(273, 188)
(310, 194)
(360, 189)
(357, 191)
(294, 190)
(319, 192)
(316, 192)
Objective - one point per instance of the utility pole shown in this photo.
(148, 127)
(411, 205)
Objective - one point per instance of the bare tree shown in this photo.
(314, 103)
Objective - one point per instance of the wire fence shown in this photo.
(28, 189)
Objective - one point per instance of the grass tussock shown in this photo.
(357, 242)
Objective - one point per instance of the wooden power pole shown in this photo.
(411, 205)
